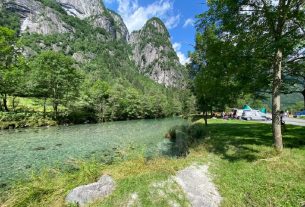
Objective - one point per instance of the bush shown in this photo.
(184, 136)
(23, 120)
(197, 131)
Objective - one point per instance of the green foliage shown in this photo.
(17, 120)
(215, 84)
(53, 4)
(9, 20)
(184, 136)
(296, 107)
(14, 79)
(55, 77)
(7, 51)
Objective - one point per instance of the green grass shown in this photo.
(243, 164)
(247, 169)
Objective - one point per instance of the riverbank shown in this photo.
(242, 162)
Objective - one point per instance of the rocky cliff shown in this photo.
(152, 50)
(36, 18)
(154, 54)
(46, 17)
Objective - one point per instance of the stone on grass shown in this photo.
(199, 188)
(86, 194)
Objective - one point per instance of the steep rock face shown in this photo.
(36, 18)
(39, 18)
(121, 29)
(97, 14)
(155, 56)
(82, 8)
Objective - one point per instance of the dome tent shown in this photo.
(263, 110)
(247, 108)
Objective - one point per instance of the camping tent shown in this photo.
(247, 108)
(264, 110)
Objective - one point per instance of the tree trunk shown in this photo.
(44, 107)
(5, 103)
(55, 107)
(1, 109)
(13, 103)
(276, 101)
(206, 118)
(303, 93)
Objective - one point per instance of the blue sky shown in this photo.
(178, 16)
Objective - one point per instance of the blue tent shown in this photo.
(247, 108)
(264, 110)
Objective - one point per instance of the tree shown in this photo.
(8, 56)
(96, 95)
(54, 76)
(215, 84)
(267, 30)
(15, 80)
(295, 74)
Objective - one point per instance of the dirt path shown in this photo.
(198, 187)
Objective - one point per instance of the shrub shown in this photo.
(182, 137)
(197, 131)
(22, 120)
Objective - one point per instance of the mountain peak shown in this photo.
(156, 25)
(154, 54)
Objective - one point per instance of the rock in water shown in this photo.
(85, 194)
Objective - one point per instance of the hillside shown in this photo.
(97, 40)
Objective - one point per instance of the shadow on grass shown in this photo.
(249, 141)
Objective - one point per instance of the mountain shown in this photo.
(140, 71)
(154, 54)
(152, 50)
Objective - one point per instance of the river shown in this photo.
(30, 150)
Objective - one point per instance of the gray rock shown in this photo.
(82, 8)
(86, 194)
(159, 62)
(198, 187)
(121, 29)
(95, 12)
(36, 18)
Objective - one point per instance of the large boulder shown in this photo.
(86, 194)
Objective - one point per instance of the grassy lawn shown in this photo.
(243, 164)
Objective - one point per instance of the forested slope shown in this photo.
(110, 85)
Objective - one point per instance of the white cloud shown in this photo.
(135, 16)
(172, 21)
(182, 58)
(188, 22)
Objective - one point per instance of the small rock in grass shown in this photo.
(85, 194)
(133, 200)
(39, 148)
